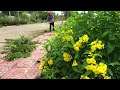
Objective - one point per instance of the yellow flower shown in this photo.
(50, 62)
(85, 38)
(76, 49)
(84, 77)
(93, 48)
(67, 57)
(63, 39)
(77, 44)
(71, 37)
(41, 67)
(94, 42)
(71, 31)
(74, 63)
(63, 78)
(99, 46)
(44, 70)
(45, 67)
(107, 77)
(91, 67)
(80, 40)
(91, 60)
(56, 34)
(41, 64)
(64, 21)
(100, 42)
(63, 32)
(67, 38)
(101, 69)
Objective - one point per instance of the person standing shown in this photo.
(50, 18)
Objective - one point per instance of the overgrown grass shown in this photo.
(18, 48)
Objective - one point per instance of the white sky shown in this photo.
(59, 12)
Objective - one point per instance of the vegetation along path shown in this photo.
(24, 68)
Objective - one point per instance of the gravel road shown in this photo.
(11, 32)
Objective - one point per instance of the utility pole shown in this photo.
(18, 13)
(9, 13)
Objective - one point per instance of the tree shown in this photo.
(66, 14)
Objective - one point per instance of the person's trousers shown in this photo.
(52, 25)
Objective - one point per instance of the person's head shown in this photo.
(49, 12)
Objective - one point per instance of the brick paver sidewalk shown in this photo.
(24, 68)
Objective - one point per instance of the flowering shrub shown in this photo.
(84, 48)
(68, 62)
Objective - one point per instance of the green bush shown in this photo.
(5, 21)
(18, 48)
(99, 25)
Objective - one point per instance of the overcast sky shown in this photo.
(59, 12)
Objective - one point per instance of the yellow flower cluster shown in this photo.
(107, 77)
(56, 34)
(91, 60)
(69, 32)
(67, 57)
(96, 45)
(79, 43)
(84, 77)
(64, 77)
(50, 62)
(67, 38)
(41, 64)
(45, 69)
(74, 63)
(84, 38)
(100, 68)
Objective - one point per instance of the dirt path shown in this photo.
(10, 32)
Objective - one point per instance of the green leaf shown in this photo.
(86, 52)
(88, 73)
(76, 69)
(72, 42)
(110, 48)
(76, 55)
(83, 66)
(114, 63)
(110, 71)
(96, 55)
(67, 45)
(111, 37)
(105, 34)
(116, 57)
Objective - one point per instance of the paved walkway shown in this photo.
(24, 68)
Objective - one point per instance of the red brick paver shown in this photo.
(4, 70)
(15, 73)
(24, 68)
